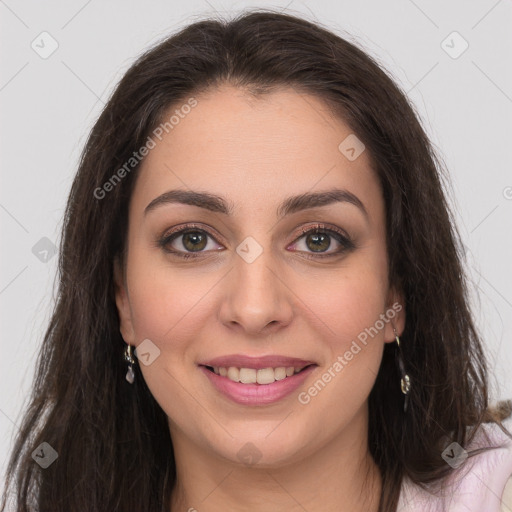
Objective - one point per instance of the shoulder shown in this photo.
(480, 482)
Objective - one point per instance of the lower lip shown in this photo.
(257, 394)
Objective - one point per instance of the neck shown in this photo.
(340, 477)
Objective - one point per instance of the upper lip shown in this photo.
(243, 361)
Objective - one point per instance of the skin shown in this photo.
(256, 152)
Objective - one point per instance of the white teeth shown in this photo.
(247, 376)
(265, 376)
(233, 374)
(280, 373)
(253, 376)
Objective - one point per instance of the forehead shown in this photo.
(253, 150)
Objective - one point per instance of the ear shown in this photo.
(123, 304)
(395, 312)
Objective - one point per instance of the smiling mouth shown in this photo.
(262, 376)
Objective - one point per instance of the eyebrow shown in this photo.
(293, 204)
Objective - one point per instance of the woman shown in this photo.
(262, 303)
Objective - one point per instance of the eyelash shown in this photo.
(346, 243)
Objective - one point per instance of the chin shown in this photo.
(263, 450)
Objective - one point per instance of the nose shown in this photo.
(256, 298)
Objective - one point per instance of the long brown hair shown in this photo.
(112, 438)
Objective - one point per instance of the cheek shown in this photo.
(349, 300)
(350, 324)
(164, 300)
(348, 318)
(169, 306)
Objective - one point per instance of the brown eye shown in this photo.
(189, 242)
(194, 240)
(318, 242)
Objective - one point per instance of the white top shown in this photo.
(481, 483)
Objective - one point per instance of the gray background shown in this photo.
(48, 105)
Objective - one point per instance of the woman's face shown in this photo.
(256, 292)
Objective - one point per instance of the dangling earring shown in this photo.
(405, 381)
(130, 375)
